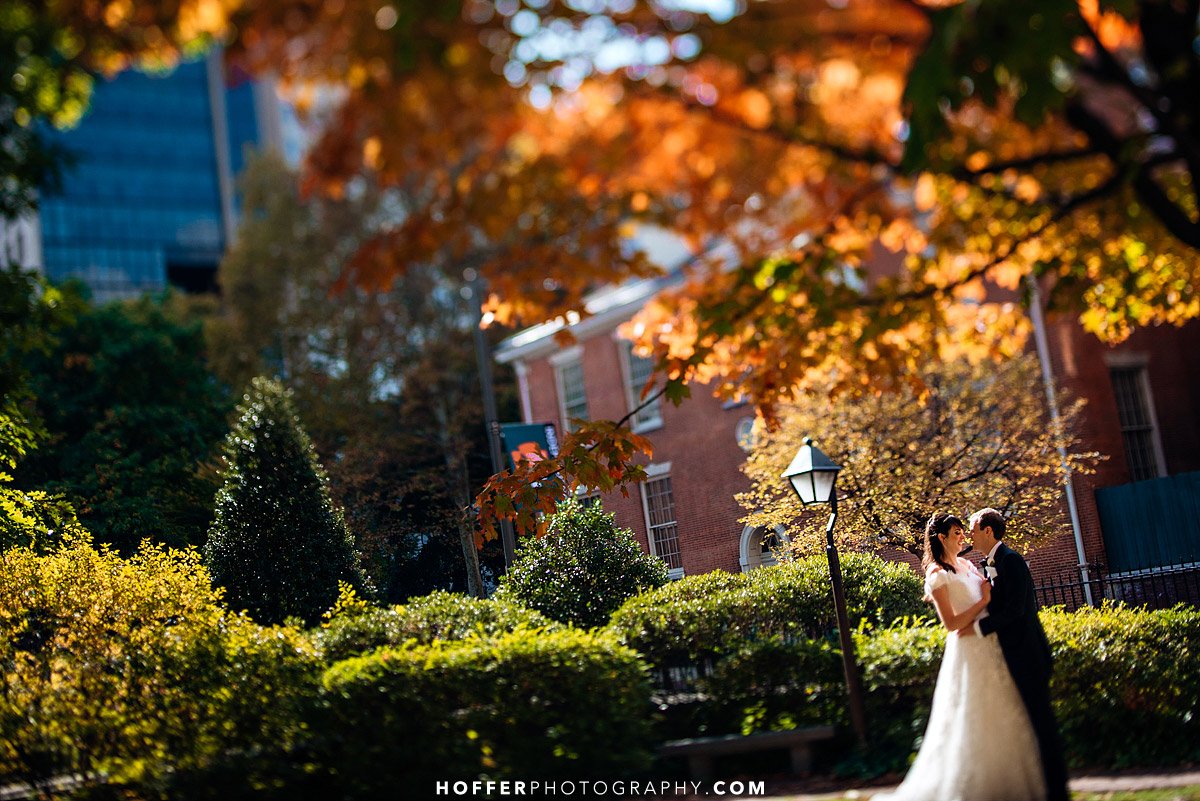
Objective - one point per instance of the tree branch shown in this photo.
(1039, 159)
(790, 139)
(1156, 104)
(1067, 208)
(1168, 212)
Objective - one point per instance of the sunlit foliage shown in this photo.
(851, 176)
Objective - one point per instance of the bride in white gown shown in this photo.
(979, 744)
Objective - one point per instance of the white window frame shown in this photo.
(583, 495)
(655, 472)
(560, 361)
(522, 371)
(633, 393)
(1141, 363)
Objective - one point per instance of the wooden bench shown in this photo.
(700, 751)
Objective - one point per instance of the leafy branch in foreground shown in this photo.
(598, 455)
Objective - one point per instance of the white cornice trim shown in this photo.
(658, 469)
(566, 356)
(538, 341)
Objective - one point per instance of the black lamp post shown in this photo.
(813, 476)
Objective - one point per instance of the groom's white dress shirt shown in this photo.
(990, 556)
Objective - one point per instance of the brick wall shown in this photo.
(697, 438)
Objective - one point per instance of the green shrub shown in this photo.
(278, 545)
(757, 651)
(554, 705)
(702, 617)
(899, 667)
(132, 670)
(1126, 684)
(582, 569)
(357, 629)
(771, 684)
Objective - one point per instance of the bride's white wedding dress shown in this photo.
(979, 744)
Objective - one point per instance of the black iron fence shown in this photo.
(1154, 588)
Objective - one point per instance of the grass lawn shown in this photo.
(1191, 793)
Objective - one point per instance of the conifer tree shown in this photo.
(278, 545)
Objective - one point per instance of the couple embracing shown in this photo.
(991, 734)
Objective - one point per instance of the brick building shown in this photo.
(1142, 400)
(1141, 509)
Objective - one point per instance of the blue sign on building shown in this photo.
(529, 441)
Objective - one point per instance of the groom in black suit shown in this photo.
(1012, 617)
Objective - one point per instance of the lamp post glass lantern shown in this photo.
(813, 476)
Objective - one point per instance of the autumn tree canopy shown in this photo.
(872, 165)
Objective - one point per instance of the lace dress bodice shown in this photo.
(964, 585)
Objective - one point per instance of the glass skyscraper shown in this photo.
(149, 200)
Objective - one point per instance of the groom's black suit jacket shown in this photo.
(1012, 615)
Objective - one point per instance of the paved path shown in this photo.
(1097, 783)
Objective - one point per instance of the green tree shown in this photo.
(134, 419)
(980, 437)
(582, 569)
(278, 544)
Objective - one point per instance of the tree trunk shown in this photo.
(471, 557)
(456, 467)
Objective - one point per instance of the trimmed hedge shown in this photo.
(758, 651)
(546, 704)
(132, 670)
(704, 616)
(355, 628)
(899, 667)
(1126, 684)
(767, 685)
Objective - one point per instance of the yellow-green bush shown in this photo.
(132, 672)
(528, 704)
(356, 627)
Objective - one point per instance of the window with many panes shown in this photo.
(589, 500)
(1138, 429)
(661, 527)
(571, 394)
(637, 373)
